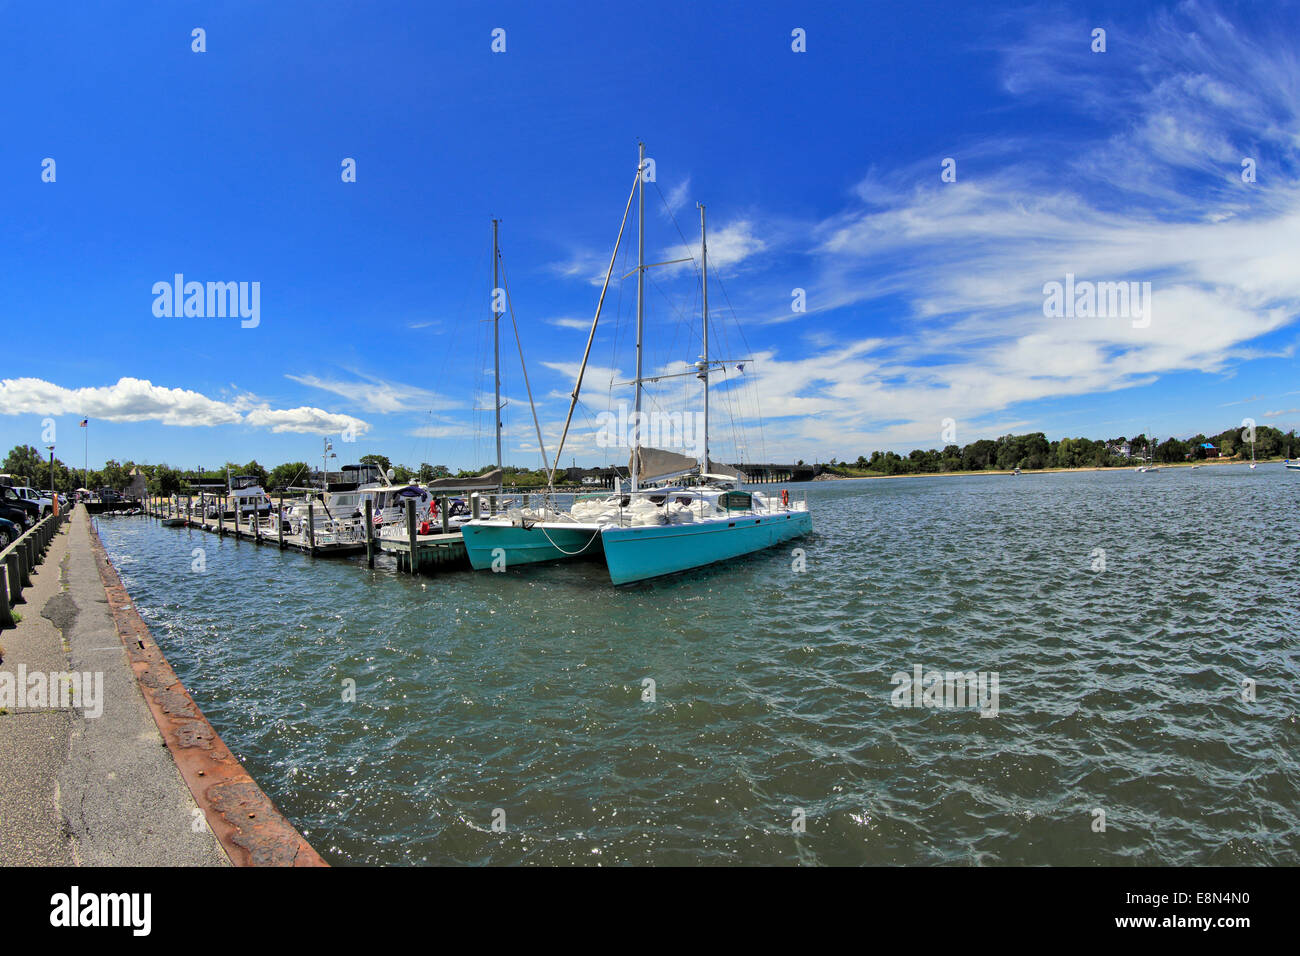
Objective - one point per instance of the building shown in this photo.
(137, 487)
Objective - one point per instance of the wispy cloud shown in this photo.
(1156, 194)
(571, 323)
(377, 395)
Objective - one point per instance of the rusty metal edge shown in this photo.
(250, 828)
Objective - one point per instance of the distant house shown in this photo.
(136, 488)
(1210, 450)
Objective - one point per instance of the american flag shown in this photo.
(85, 422)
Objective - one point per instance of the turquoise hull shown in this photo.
(634, 554)
(488, 542)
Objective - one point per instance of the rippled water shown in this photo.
(1119, 689)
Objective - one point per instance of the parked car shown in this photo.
(12, 512)
(10, 498)
(44, 503)
(9, 533)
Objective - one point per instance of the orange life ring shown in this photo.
(785, 498)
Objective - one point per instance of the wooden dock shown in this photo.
(321, 544)
(432, 552)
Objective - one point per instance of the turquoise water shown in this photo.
(1120, 690)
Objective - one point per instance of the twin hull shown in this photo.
(636, 553)
(509, 545)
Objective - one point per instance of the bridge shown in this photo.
(750, 472)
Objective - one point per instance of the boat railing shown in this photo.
(334, 531)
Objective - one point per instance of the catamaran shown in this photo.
(679, 513)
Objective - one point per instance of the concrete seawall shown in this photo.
(132, 774)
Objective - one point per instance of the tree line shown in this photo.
(1031, 451)
(162, 479)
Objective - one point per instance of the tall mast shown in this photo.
(704, 361)
(640, 311)
(496, 342)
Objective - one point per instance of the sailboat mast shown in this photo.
(704, 365)
(640, 312)
(496, 341)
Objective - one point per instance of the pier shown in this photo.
(108, 760)
(325, 540)
(433, 552)
(438, 551)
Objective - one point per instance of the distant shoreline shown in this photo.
(824, 476)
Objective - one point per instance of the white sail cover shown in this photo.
(657, 464)
(489, 479)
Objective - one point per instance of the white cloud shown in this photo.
(138, 400)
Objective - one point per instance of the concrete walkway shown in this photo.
(76, 788)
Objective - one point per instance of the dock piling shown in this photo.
(279, 523)
(311, 529)
(370, 535)
(410, 534)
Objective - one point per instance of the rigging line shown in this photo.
(505, 284)
(682, 318)
(690, 250)
(762, 437)
(425, 447)
(618, 331)
(577, 387)
(595, 534)
(690, 253)
(731, 413)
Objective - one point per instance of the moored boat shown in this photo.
(689, 515)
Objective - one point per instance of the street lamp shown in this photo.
(324, 464)
(52, 498)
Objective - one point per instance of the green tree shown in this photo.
(26, 461)
(290, 473)
(256, 470)
(163, 480)
(380, 460)
(116, 476)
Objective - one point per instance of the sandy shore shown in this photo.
(1046, 471)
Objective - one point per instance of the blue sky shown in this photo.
(821, 171)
